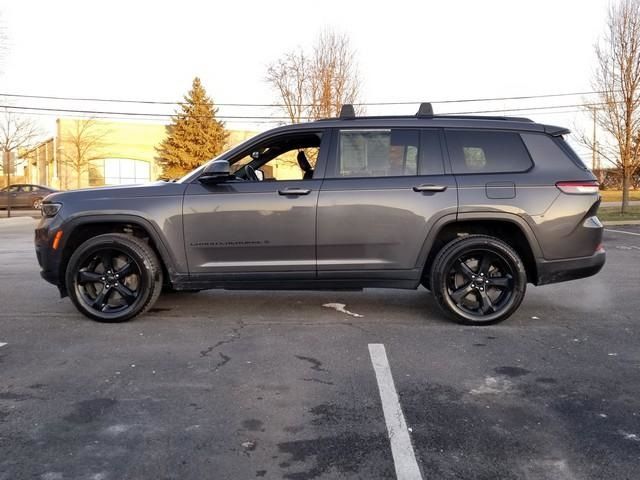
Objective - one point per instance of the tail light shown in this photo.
(579, 188)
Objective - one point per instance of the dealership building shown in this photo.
(114, 153)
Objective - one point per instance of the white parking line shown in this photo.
(404, 457)
(2, 344)
(622, 231)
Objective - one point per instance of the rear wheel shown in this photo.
(478, 280)
(113, 277)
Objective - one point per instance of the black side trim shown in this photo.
(302, 284)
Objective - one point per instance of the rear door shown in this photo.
(16, 196)
(383, 191)
(25, 195)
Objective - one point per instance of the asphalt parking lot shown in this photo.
(239, 385)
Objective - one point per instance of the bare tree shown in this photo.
(16, 133)
(289, 76)
(334, 79)
(82, 143)
(316, 85)
(617, 78)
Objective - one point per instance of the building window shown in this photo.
(118, 171)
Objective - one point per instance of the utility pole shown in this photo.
(595, 158)
(7, 168)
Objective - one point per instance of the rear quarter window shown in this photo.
(477, 151)
(570, 152)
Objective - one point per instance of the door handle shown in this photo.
(429, 188)
(294, 191)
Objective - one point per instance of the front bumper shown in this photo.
(48, 258)
(554, 271)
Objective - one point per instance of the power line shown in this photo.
(141, 117)
(273, 122)
(159, 102)
(251, 118)
(524, 109)
(142, 114)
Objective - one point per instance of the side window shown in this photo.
(291, 157)
(14, 188)
(377, 153)
(25, 188)
(487, 152)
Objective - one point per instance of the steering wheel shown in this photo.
(250, 173)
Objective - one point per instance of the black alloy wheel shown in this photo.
(109, 281)
(113, 277)
(478, 279)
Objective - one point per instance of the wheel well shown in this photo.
(84, 232)
(506, 231)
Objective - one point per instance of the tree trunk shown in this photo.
(626, 183)
(7, 165)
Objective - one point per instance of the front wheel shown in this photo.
(478, 280)
(36, 203)
(113, 277)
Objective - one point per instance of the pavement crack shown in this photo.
(235, 335)
(223, 362)
(315, 363)
(317, 380)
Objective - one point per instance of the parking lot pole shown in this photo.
(7, 167)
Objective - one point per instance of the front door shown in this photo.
(383, 191)
(263, 223)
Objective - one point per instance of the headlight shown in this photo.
(50, 209)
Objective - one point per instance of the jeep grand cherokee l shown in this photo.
(473, 208)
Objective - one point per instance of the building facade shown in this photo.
(88, 153)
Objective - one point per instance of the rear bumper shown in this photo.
(555, 271)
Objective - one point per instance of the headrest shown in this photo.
(303, 162)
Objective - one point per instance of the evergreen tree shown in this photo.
(194, 136)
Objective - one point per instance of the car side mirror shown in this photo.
(216, 172)
(260, 175)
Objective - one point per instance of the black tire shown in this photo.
(478, 280)
(114, 277)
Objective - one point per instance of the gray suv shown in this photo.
(472, 208)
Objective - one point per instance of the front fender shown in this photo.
(170, 248)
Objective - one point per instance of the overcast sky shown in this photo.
(406, 51)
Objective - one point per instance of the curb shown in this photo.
(620, 222)
(16, 221)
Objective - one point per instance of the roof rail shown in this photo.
(483, 117)
(347, 112)
(425, 110)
